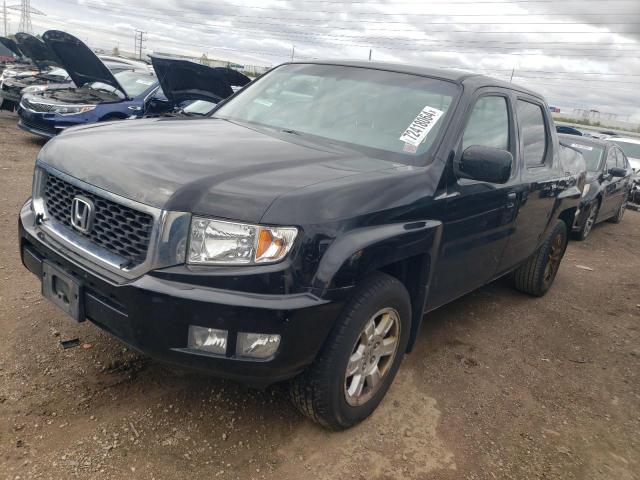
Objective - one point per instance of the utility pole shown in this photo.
(370, 50)
(293, 51)
(512, 72)
(25, 15)
(139, 42)
(4, 15)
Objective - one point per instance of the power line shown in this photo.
(360, 21)
(139, 42)
(495, 71)
(409, 47)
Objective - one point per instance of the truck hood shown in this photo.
(12, 46)
(36, 50)
(182, 80)
(204, 166)
(82, 65)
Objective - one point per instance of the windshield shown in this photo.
(592, 155)
(199, 107)
(134, 83)
(630, 149)
(384, 114)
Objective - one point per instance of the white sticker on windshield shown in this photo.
(261, 101)
(421, 126)
(583, 147)
(144, 82)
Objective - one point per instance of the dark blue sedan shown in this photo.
(99, 95)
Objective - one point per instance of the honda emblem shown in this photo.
(82, 211)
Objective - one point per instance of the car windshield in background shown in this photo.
(134, 83)
(385, 114)
(199, 107)
(592, 155)
(630, 149)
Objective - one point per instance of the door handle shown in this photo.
(511, 200)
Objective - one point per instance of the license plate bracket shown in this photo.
(63, 290)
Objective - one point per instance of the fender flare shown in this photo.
(358, 252)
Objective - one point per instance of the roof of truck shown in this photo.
(454, 75)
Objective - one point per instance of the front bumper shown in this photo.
(46, 125)
(153, 314)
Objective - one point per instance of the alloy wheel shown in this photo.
(591, 220)
(372, 356)
(553, 260)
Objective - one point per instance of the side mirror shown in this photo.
(485, 164)
(617, 172)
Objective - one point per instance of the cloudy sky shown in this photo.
(579, 53)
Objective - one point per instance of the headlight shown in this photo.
(230, 243)
(585, 189)
(73, 109)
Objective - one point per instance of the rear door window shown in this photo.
(533, 133)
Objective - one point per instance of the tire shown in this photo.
(322, 392)
(617, 218)
(589, 222)
(537, 274)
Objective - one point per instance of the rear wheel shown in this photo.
(590, 222)
(537, 274)
(360, 358)
(617, 218)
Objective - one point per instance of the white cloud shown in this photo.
(491, 38)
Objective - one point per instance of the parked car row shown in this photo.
(73, 86)
(629, 145)
(608, 182)
(300, 229)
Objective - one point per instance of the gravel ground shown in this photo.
(500, 385)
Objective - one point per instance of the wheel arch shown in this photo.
(404, 251)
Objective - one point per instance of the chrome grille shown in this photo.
(36, 106)
(116, 228)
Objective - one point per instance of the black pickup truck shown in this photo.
(302, 232)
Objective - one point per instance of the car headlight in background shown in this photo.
(585, 189)
(230, 243)
(73, 109)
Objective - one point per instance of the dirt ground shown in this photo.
(500, 385)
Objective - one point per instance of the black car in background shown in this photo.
(195, 89)
(48, 71)
(19, 64)
(608, 183)
(566, 129)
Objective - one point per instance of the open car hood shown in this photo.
(183, 80)
(36, 50)
(82, 65)
(11, 46)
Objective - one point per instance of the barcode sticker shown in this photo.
(421, 126)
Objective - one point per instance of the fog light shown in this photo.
(257, 345)
(207, 339)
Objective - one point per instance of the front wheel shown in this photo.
(537, 274)
(360, 358)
